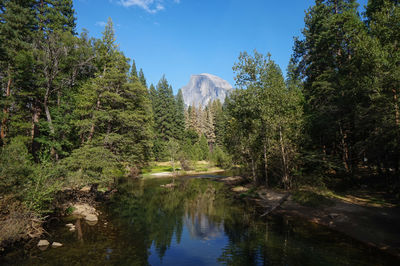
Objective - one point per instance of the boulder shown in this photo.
(83, 209)
(43, 243)
(91, 218)
(56, 245)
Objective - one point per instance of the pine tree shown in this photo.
(133, 75)
(17, 24)
(330, 61)
(209, 128)
(180, 116)
(165, 110)
(113, 113)
(142, 79)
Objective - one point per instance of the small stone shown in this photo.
(43, 243)
(72, 229)
(85, 189)
(56, 245)
(333, 215)
(70, 225)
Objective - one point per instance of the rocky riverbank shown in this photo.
(30, 230)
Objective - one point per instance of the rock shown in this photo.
(82, 210)
(72, 229)
(70, 225)
(43, 243)
(171, 185)
(56, 245)
(333, 215)
(240, 189)
(91, 218)
(85, 189)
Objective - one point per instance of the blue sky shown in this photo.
(179, 38)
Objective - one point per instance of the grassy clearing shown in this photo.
(311, 198)
(166, 167)
(318, 197)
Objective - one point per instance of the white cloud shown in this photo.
(101, 23)
(151, 6)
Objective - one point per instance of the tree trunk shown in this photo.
(345, 150)
(265, 165)
(91, 133)
(253, 169)
(49, 120)
(285, 174)
(34, 130)
(5, 113)
(396, 107)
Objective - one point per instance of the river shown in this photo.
(197, 223)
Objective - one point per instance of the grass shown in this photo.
(161, 167)
(311, 198)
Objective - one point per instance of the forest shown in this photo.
(76, 111)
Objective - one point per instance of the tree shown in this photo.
(165, 111)
(112, 112)
(329, 59)
(180, 116)
(264, 117)
(133, 75)
(142, 79)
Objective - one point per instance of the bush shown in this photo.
(42, 186)
(15, 167)
(88, 165)
(220, 158)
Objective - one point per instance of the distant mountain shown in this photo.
(205, 88)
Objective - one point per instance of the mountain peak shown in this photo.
(205, 88)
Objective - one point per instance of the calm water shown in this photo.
(197, 223)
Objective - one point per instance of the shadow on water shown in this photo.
(196, 223)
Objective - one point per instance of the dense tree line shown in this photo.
(73, 110)
(337, 113)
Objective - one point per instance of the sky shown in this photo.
(180, 38)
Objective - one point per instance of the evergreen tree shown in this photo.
(209, 128)
(180, 116)
(165, 111)
(330, 65)
(133, 75)
(142, 79)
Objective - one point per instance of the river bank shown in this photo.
(197, 221)
(370, 223)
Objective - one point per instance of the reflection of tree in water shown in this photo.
(198, 215)
(155, 215)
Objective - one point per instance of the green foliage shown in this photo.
(41, 187)
(221, 158)
(89, 164)
(311, 199)
(264, 120)
(15, 167)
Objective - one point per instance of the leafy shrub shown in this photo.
(41, 187)
(88, 165)
(220, 158)
(15, 167)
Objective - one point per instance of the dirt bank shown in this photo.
(371, 224)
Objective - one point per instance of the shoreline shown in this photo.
(374, 226)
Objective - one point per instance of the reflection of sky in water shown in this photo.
(191, 251)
